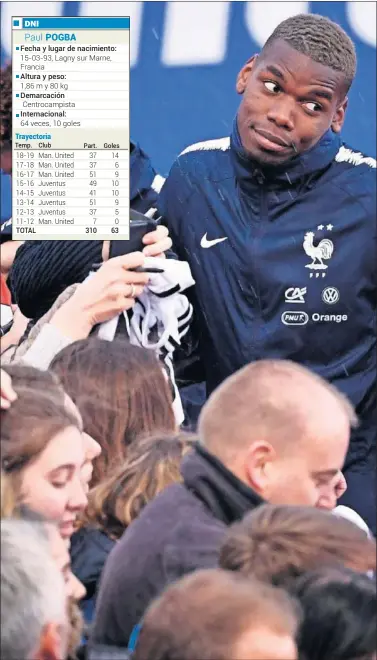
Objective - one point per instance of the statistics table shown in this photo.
(70, 128)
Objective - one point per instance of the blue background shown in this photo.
(173, 105)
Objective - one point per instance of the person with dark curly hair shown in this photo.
(278, 224)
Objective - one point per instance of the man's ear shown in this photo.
(50, 645)
(338, 118)
(259, 460)
(244, 74)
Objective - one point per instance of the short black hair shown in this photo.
(6, 107)
(320, 39)
(339, 608)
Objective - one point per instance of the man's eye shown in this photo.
(272, 86)
(323, 482)
(312, 106)
(58, 484)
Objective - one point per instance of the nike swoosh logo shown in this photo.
(205, 243)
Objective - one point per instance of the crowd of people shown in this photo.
(182, 477)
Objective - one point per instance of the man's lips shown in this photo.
(270, 141)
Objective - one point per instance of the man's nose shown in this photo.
(327, 501)
(281, 114)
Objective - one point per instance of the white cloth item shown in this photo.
(356, 519)
(160, 318)
(350, 514)
(6, 314)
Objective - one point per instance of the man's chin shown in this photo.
(268, 158)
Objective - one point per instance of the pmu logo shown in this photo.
(294, 318)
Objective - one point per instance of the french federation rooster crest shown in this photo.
(318, 253)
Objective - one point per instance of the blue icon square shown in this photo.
(16, 23)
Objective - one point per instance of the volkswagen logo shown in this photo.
(330, 295)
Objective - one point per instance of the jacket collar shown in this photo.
(220, 490)
(299, 170)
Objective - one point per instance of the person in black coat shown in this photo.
(261, 439)
(152, 464)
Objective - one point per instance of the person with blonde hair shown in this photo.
(27, 376)
(153, 463)
(42, 454)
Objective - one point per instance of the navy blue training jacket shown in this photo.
(284, 261)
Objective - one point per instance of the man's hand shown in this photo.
(16, 331)
(110, 291)
(157, 242)
(19, 325)
(7, 393)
